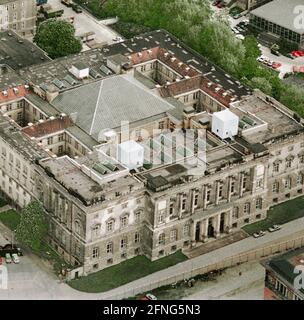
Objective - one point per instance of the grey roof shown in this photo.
(106, 103)
(17, 52)
(280, 12)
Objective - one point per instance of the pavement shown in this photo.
(33, 279)
(85, 22)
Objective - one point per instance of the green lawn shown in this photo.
(10, 218)
(124, 272)
(280, 214)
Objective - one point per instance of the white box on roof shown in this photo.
(130, 154)
(225, 124)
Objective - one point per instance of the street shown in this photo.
(32, 279)
(84, 22)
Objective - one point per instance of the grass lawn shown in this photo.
(10, 218)
(124, 272)
(280, 214)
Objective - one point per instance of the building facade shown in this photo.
(19, 16)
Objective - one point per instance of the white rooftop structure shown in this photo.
(225, 124)
(130, 154)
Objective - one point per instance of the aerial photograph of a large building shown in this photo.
(151, 150)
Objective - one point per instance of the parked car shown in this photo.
(276, 65)
(8, 258)
(236, 16)
(150, 296)
(259, 234)
(15, 258)
(274, 228)
(76, 8)
(1, 262)
(289, 55)
(117, 39)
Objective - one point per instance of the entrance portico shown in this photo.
(211, 227)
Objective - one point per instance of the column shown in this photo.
(241, 184)
(216, 225)
(193, 231)
(228, 223)
(204, 230)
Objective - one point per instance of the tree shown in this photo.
(57, 38)
(33, 226)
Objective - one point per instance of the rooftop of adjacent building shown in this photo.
(18, 53)
(280, 12)
(284, 265)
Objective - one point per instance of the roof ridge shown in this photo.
(96, 106)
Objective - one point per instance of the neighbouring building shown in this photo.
(200, 157)
(251, 4)
(19, 16)
(284, 276)
(279, 19)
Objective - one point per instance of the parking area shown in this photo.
(84, 22)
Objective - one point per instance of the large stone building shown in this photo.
(182, 181)
(18, 15)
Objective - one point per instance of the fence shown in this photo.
(252, 255)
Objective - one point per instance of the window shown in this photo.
(50, 140)
(95, 230)
(259, 183)
(186, 230)
(124, 221)
(195, 203)
(60, 149)
(95, 253)
(77, 227)
(60, 137)
(110, 225)
(109, 247)
(288, 183)
(137, 216)
(173, 235)
(184, 201)
(171, 209)
(275, 187)
(258, 203)
(232, 187)
(288, 163)
(247, 208)
(123, 243)
(136, 237)
(161, 125)
(161, 239)
(276, 167)
(300, 179)
(208, 195)
(235, 213)
(161, 217)
(220, 191)
(244, 183)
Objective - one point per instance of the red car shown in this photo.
(298, 53)
(276, 65)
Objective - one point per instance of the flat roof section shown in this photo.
(18, 53)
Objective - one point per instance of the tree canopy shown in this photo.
(33, 226)
(57, 38)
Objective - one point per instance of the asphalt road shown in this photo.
(84, 22)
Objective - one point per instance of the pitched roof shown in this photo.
(106, 103)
